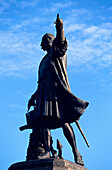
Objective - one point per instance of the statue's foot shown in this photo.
(45, 155)
(78, 158)
(80, 162)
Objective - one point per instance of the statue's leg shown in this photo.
(46, 137)
(70, 136)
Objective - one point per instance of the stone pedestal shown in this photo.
(46, 164)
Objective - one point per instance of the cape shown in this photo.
(72, 106)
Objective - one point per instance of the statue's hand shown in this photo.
(31, 102)
(59, 22)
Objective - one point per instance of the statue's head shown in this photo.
(47, 41)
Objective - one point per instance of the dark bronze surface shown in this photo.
(54, 104)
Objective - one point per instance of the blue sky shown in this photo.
(88, 29)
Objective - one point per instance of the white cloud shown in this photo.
(26, 23)
(59, 5)
(74, 15)
(18, 53)
(89, 44)
(26, 3)
(5, 21)
(4, 5)
(92, 48)
(55, 7)
(110, 8)
(91, 29)
(73, 27)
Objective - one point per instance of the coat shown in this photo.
(55, 104)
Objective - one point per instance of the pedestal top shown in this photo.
(46, 164)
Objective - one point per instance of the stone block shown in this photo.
(46, 164)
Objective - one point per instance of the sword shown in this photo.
(77, 123)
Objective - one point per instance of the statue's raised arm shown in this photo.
(59, 29)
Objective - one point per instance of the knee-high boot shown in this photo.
(46, 135)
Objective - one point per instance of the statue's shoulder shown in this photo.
(56, 42)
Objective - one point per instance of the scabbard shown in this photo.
(77, 123)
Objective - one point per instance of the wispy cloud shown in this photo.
(55, 7)
(18, 53)
(110, 8)
(61, 5)
(73, 27)
(30, 3)
(4, 5)
(92, 48)
(89, 43)
(74, 15)
(24, 24)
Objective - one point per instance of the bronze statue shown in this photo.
(55, 105)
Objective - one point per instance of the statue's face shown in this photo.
(47, 42)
